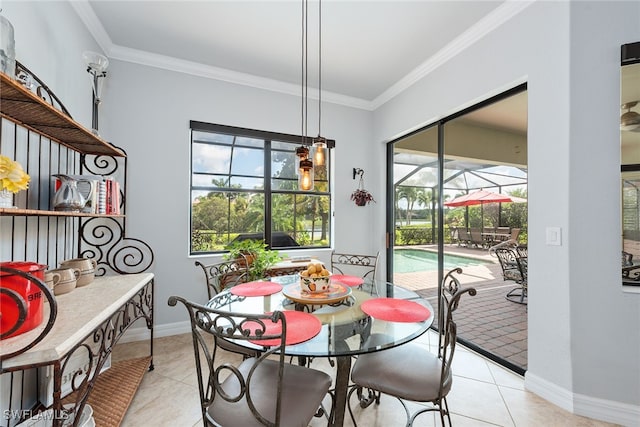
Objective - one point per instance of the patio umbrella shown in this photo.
(483, 196)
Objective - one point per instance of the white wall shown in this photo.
(584, 340)
(584, 335)
(147, 111)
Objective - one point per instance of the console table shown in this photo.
(91, 319)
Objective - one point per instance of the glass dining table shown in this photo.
(344, 328)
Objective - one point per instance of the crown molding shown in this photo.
(93, 24)
(493, 20)
(207, 71)
(487, 24)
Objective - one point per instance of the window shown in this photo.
(244, 185)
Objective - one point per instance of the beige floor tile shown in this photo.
(529, 410)
(469, 365)
(478, 400)
(162, 401)
(505, 377)
(483, 393)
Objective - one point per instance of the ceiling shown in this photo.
(371, 49)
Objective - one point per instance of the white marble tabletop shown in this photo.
(79, 313)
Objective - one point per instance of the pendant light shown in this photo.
(304, 169)
(320, 142)
(305, 166)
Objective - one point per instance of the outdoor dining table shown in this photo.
(343, 325)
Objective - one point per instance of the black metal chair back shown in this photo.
(450, 295)
(224, 274)
(258, 390)
(358, 265)
(411, 372)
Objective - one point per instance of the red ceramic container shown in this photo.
(21, 300)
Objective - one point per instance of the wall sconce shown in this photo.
(97, 67)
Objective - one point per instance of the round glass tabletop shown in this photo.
(345, 327)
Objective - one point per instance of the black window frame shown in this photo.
(268, 137)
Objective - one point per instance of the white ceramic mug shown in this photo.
(87, 267)
(63, 280)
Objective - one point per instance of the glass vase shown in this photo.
(6, 199)
(7, 48)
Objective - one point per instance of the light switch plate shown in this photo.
(554, 236)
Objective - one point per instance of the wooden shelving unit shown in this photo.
(109, 393)
(24, 107)
(36, 212)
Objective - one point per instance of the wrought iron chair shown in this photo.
(514, 268)
(410, 372)
(357, 265)
(224, 274)
(522, 251)
(219, 276)
(259, 391)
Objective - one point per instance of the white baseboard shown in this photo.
(600, 409)
(142, 333)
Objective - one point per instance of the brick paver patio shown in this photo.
(487, 322)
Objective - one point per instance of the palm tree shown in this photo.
(410, 194)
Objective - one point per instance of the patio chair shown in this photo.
(515, 233)
(259, 391)
(511, 244)
(476, 238)
(357, 265)
(463, 237)
(630, 271)
(410, 372)
(514, 269)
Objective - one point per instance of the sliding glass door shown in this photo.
(431, 230)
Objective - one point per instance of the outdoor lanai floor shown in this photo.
(487, 322)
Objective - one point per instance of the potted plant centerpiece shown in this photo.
(254, 254)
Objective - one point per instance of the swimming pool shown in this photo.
(411, 260)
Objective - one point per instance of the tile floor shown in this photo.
(483, 394)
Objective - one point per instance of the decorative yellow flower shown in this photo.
(12, 177)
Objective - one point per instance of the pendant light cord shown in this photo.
(319, 64)
(303, 97)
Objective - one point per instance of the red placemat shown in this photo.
(301, 327)
(256, 289)
(347, 280)
(395, 310)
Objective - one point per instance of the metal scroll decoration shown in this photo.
(92, 353)
(103, 238)
(34, 84)
(111, 250)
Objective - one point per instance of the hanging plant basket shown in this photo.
(360, 196)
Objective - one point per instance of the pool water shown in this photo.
(411, 260)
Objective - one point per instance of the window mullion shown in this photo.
(267, 192)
